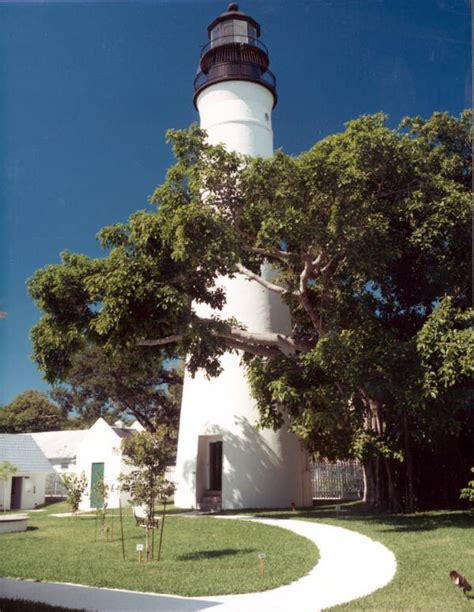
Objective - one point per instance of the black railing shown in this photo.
(229, 71)
(337, 480)
(239, 39)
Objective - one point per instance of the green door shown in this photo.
(97, 475)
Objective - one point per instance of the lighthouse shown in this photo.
(224, 460)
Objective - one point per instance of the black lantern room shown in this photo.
(234, 52)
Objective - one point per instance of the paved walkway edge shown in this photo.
(350, 566)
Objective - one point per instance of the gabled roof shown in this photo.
(123, 432)
(59, 444)
(24, 453)
(118, 429)
(63, 444)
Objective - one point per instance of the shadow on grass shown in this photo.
(215, 554)
(31, 528)
(409, 523)
(21, 605)
(358, 511)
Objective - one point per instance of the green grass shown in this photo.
(427, 546)
(200, 555)
(206, 555)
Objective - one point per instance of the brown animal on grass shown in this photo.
(459, 580)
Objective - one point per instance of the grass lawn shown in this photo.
(427, 547)
(200, 555)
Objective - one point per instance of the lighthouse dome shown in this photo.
(234, 52)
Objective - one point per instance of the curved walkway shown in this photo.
(350, 566)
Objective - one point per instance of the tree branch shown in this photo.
(276, 254)
(310, 268)
(330, 265)
(265, 344)
(261, 351)
(317, 262)
(305, 276)
(161, 341)
(261, 281)
(285, 344)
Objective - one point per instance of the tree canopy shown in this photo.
(99, 385)
(368, 235)
(31, 411)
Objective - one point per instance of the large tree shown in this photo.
(368, 236)
(31, 411)
(99, 385)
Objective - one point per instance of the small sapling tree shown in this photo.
(103, 491)
(468, 492)
(148, 453)
(75, 487)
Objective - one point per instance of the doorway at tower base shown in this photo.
(245, 468)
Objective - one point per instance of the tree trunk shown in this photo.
(380, 488)
(147, 544)
(393, 498)
(378, 484)
(410, 492)
(369, 481)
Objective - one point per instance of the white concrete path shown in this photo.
(350, 566)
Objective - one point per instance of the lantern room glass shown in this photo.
(233, 31)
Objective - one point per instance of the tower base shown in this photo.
(225, 459)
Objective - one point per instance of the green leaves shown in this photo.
(75, 487)
(148, 454)
(446, 347)
(7, 469)
(366, 233)
(31, 411)
(138, 383)
(468, 492)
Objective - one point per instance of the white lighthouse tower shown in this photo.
(223, 459)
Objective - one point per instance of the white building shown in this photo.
(99, 456)
(60, 448)
(95, 451)
(25, 489)
(223, 459)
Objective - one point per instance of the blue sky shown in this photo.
(90, 89)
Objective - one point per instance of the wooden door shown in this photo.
(17, 485)
(97, 475)
(215, 466)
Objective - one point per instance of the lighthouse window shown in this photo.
(227, 31)
(232, 30)
(240, 31)
(215, 33)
